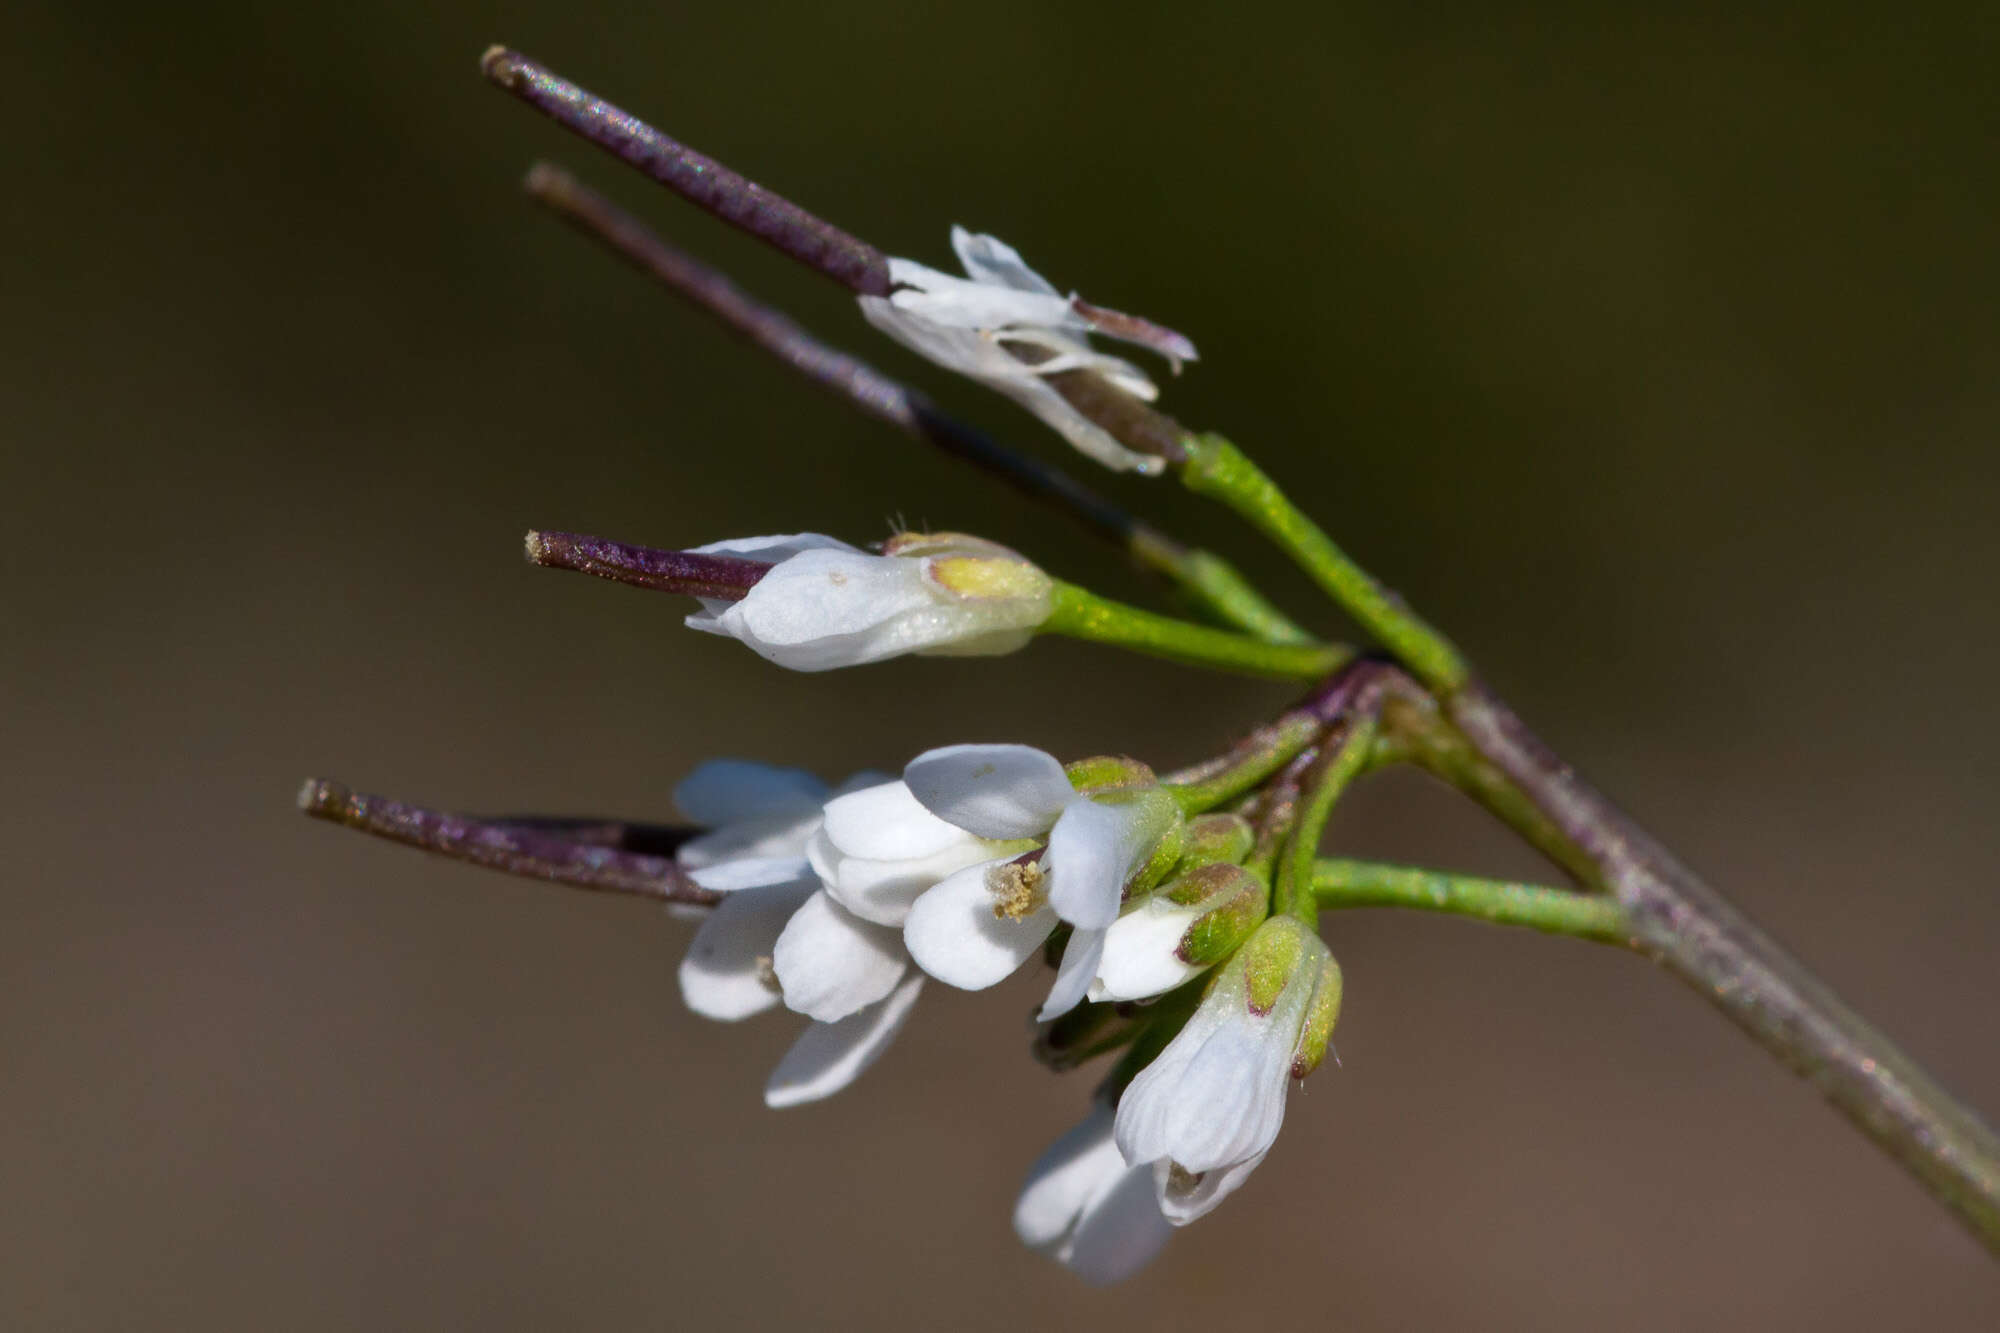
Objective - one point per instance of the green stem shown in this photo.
(1082, 614)
(1217, 468)
(1340, 883)
(1337, 766)
(1217, 587)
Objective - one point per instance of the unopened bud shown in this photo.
(1218, 837)
(1229, 903)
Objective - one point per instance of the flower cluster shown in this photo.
(1177, 912)
(839, 903)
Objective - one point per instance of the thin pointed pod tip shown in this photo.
(322, 798)
(500, 63)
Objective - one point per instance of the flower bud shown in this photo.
(1217, 838)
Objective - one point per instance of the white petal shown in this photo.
(758, 837)
(954, 935)
(723, 975)
(829, 1056)
(830, 962)
(995, 791)
(1182, 1205)
(990, 259)
(979, 356)
(1146, 1102)
(1121, 1234)
(1139, 952)
(1079, 967)
(722, 791)
(826, 609)
(1074, 1172)
(1216, 1095)
(885, 891)
(773, 549)
(1093, 849)
(886, 823)
(1086, 1207)
(963, 303)
(750, 872)
(825, 594)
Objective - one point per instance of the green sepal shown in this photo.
(1213, 838)
(1234, 903)
(1104, 774)
(1271, 960)
(1322, 1012)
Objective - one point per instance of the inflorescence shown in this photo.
(1179, 910)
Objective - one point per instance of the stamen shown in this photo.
(1017, 889)
(767, 973)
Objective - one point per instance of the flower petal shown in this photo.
(826, 594)
(830, 962)
(773, 549)
(1066, 1179)
(1079, 967)
(954, 935)
(1216, 1095)
(1122, 1233)
(885, 891)
(966, 304)
(979, 356)
(750, 872)
(995, 791)
(1093, 850)
(1139, 952)
(990, 259)
(723, 975)
(723, 791)
(1182, 1201)
(1083, 1205)
(829, 1056)
(886, 823)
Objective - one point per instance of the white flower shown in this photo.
(1171, 936)
(1084, 1207)
(853, 979)
(1209, 1106)
(731, 973)
(879, 848)
(826, 604)
(979, 924)
(757, 820)
(970, 324)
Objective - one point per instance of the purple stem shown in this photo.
(585, 854)
(688, 572)
(699, 179)
(1714, 948)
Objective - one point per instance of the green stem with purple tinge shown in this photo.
(1714, 948)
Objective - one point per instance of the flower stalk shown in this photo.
(1082, 614)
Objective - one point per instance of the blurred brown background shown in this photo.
(1651, 352)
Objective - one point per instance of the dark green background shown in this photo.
(1650, 351)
